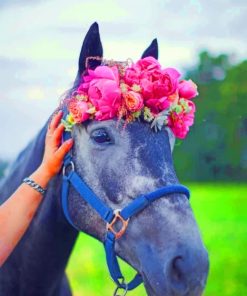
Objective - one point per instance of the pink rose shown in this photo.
(102, 86)
(180, 122)
(133, 101)
(78, 110)
(187, 89)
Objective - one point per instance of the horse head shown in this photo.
(162, 242)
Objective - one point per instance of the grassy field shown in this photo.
(221, 212)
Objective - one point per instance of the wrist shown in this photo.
(42, 176)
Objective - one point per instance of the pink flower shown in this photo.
(166, 102)
(180, 122)
(102, 72)
(132, 75)
(160, 83)
(107, 92)
(143, 69)
(78, 110)
(146, 88)
(148, 64)
(187, 89)
(133, 101)
(167, 82)
(160, 104)
(102, 86)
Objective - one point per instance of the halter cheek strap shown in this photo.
(70, 177)
(111, 217)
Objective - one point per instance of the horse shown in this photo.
(162, 242)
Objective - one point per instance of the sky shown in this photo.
(40, 43)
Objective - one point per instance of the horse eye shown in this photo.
(100, 136)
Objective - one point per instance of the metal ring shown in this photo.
(121, 288)
(124, 292)
(70, 164)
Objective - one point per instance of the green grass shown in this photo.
(221, 212)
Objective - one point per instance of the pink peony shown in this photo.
(143, 69)
(132, 75)
(166, 83)
(78, 110)
(187, 89)
(102, 86)
(146, 88)
(160, 83)
(180, 122)
(144, 83)
(148, 64)
(166, 102)
(160, 104)
(133, 101)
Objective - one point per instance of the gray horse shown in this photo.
(162, 242)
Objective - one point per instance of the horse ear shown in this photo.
(152, 50)
(91, 47)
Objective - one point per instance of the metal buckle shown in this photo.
(70, 164)
(110, 226)
(125, 289)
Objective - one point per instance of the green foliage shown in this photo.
(220, 211)
(3, 165)
(216, 147)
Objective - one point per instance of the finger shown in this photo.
(55, 121)
(57, 135)
(64, 149)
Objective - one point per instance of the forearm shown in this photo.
(17, 212)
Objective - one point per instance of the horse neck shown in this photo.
(41, 256)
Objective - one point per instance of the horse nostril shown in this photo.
(178, 276)
(176, 266)
(188, 273)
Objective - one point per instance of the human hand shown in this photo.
(54, 151)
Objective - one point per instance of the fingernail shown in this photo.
(69, 142)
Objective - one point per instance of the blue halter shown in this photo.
(70, 177)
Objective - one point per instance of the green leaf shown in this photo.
(148, 116)
(68, 126)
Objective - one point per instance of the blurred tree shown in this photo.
(216, 148)
(3, 165)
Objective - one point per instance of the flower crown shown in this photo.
(134, 91)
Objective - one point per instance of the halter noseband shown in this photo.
(111, 217)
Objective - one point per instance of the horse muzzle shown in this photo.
(181, 274)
